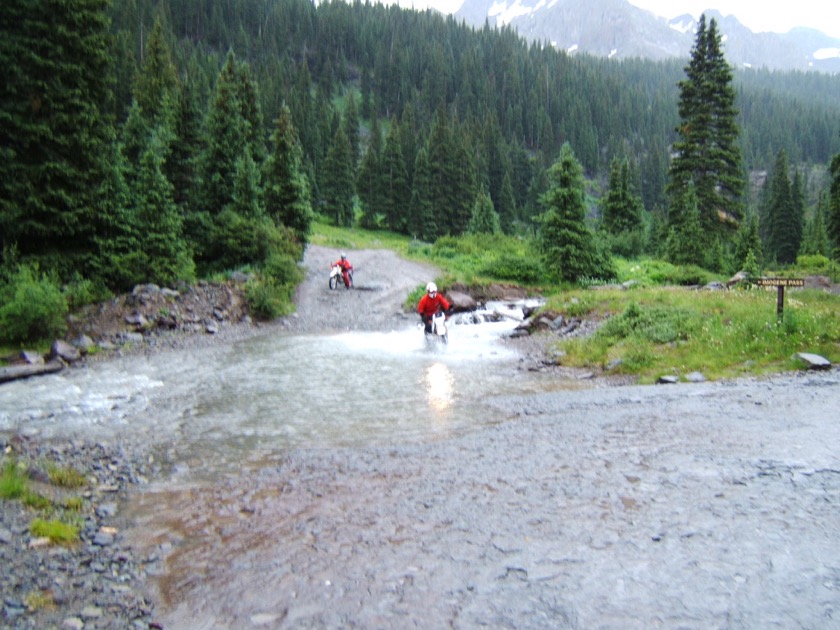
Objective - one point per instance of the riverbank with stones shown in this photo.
(96, 582)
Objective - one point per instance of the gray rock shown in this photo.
(667, 379)
(695, 377)
(62, 350)
(461, 301)
(103, 539)
(91, 612)
(31, 357)
(814, 361)
(72, 623)
(137, 320)
(83, 343)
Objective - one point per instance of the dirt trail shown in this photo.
(382, 280)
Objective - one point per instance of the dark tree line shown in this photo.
(155, 139)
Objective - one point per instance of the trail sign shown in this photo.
(780, 284)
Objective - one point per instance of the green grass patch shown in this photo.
(13, 481)
(65, 476)
(719, 333)
(57, 532)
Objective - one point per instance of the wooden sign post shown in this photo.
(780, 284)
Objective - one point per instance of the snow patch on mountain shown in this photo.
(827, 53)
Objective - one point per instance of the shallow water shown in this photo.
(220, 406)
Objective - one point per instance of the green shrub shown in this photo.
(813, 263)
(267, 299)
(655, 324)
(282, 269)
(32, 307)
(514, 268)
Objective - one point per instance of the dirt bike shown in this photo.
(337, 279)
(439, 333)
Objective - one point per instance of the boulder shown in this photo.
(66, 352)
(461, 302)
(30, 357)
(814, 361)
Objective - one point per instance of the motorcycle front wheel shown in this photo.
(334, 281)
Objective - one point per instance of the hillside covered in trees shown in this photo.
(157, 140)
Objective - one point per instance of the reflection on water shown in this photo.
(439, 386)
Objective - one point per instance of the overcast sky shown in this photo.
(758, 15)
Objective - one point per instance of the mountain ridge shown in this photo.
(618, 29)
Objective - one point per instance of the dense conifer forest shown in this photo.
(158, 140)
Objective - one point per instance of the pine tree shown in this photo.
(225, 130)
(55, 130)
(350, 121)
(396, 189)
(421, 213)
(337, 181)
(156, 87)
(686, 243)
(785, 222)
(621, 210)
(369, 184)
(707, 152)
(287, 197)
(484, 219)
(834, 206)
(567, 244)
(747, 241)
(165, 256)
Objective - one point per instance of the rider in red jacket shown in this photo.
(346, 268)
(430, 304)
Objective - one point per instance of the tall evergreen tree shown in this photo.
(225, 129)
(370, 181)
(156, 88)
(337, 181)
(165, 255)
(287, 196)
(350, 121)
(396, 190)
(484, 219)
(834, 206)
(707, 154)
(421, 213)
(621, 209)
(686, 243)
(55, 130)
(566, 242)
(747, 242)
(785, 228)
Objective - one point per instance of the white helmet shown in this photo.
(431, 287)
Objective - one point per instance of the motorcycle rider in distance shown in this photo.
(430, 304)
(346, 268)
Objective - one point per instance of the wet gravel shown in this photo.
(96, 582)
